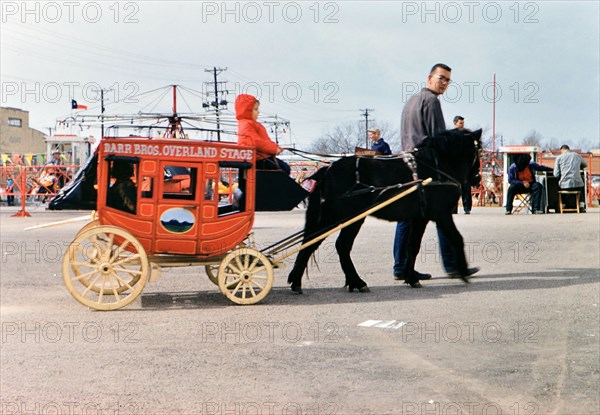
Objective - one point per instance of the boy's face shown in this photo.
(255, 111)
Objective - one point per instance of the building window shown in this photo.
(15, 122)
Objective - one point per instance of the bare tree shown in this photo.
(552, 144)
(344, 137)
(533, 138)
(341, 138)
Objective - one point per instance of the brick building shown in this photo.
(15, 134)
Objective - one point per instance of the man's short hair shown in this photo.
(565, 147)
(374, 130)
(440, 65)
(458, 118)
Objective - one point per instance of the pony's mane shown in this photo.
(451, 142)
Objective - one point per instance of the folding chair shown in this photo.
(522, 201)
(560, 200)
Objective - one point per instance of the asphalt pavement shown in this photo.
(521, 338)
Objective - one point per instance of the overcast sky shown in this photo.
(315, 64)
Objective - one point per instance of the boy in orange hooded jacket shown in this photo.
(252, 133)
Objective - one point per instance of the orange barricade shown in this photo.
(33, 183)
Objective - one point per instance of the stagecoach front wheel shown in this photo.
(245, 276)
(105, 268)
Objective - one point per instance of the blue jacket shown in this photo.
(382, 147)
(512, 172)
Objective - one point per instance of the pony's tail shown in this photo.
(313, 211)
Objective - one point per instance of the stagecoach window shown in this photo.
(147, 187)
(209, 189)
(122, 188)
(232, 188)
(179, 182)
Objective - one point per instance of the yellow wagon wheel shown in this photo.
(245, 276)
(105, 268)
(93, 254)
(88, 225)
(212, 270)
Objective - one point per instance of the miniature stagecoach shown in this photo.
(168, 213)
(158, 204)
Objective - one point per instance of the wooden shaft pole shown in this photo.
(351, 221)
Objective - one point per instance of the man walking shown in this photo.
(422, 117)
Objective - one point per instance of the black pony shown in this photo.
(352, 185)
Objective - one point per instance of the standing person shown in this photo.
(566, 169)
(521, 179)
(378, 144)
(422, 117)
(253, 134)
(467, 198)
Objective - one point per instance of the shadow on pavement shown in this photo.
(564, 277)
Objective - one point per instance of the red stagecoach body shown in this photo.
(176, 207)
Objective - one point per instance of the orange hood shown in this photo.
(244, 104)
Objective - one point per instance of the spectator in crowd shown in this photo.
(521, 179)
(567, 169)
(378, 144)
(467, 199)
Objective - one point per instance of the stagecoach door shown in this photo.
(179, 198)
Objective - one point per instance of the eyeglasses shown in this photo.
(443, 78)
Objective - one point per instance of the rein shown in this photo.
(306, 153)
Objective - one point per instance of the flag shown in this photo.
(76, 106)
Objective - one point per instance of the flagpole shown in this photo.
(494, 121)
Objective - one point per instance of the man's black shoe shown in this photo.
(456, 274)
(421, 276)
(416, 276)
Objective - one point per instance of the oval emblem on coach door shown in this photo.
(177, 220)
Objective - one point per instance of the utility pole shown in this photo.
(217, 103)
(276, 124)
(102, 109)
(366, 115)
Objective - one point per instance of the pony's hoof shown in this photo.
(297, 289)
(363, 289)
(414, 284)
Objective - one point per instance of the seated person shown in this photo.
(566, 169)
(47, 180)
(521, 178)
(253, 134)
(122, 194)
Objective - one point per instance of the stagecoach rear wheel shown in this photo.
(212, 270)
(105, 268)
(245, 276)
(88, 225)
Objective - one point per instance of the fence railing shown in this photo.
(29, 184)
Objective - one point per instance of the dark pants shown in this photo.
(401, 239)
(515, 189)
(467, 199)
(273, 163)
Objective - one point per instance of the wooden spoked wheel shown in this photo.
(105, 268)
(88, 225)
(212, 270)
(245, 276)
